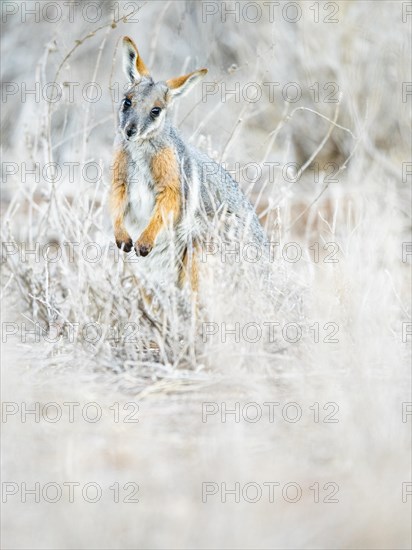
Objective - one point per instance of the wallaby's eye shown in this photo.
(155, 112)
(127, 103)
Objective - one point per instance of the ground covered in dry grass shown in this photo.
(281, 418)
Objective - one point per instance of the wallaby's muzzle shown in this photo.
(130, 130)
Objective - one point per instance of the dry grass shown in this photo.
(172, 367)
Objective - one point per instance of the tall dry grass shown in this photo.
(166, 362)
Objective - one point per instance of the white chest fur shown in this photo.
(141, 193)
(160, 266)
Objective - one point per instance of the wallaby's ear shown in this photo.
(133, 64)
(182, 84)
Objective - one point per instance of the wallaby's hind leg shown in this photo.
(189, 269)
(119, 201)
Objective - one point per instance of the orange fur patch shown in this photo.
(165, 173)
(189, 270)
(140, 66)
(118, 195)
(174, 83)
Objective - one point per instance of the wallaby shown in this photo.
(166, 195)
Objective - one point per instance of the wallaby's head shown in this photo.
(145, 105)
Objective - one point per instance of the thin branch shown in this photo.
(315, 200)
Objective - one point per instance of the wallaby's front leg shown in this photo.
(118, 201)
(167, 207)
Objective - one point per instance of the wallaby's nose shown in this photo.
(130, 130)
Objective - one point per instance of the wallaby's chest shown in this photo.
(140, 189)
(160, 264)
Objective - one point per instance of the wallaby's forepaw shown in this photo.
(125, 243)
(143, 247)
